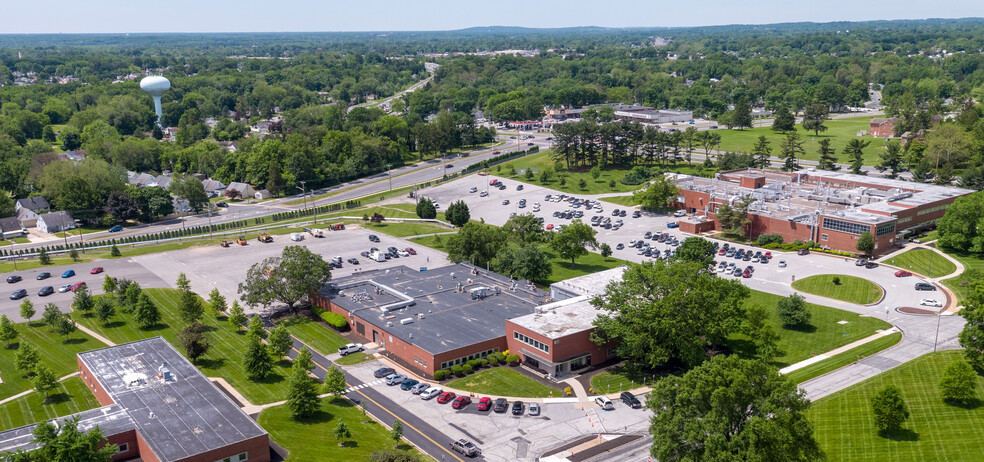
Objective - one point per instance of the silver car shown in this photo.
(419, 388)
(533, 409)
(395, 379)
(430, 393)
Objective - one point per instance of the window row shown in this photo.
(845, 226)
(933, 209)
(531, 342)
(887, 228)
(465, 359)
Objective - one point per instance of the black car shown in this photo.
(13, 279)
(448, 166)
(18, 294)
(517, 408)
(353, 261)
(44, 275)
(46, 290)
(380, 373)
(373, 238)
(630, 400)
(500, 405)
(365, 254)
(222, 205)
(871, 265)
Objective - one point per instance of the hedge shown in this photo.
(441, 374)
(457, 370)
(335, 320)
(466, 369)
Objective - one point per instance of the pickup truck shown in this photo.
(350, 348)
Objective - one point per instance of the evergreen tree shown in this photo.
(256, 327)
(855, 153)
(256, 360)
(457, 213)
(890, 159)
(303, 359)
(280, 342)
(302, 393)
(43, 256)
(762, 152)
(814, 118)
(791, 149)
(783, 121)
(105, 309)
(146, 313)
(194, 340)
(237, 316)
(827, 156)
(182, 283)
(425, 209)
(216, 303)
(190, 307)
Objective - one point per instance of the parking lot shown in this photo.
(503, 436)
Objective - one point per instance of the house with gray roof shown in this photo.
(11, 228)
(36, 203)
(27, 217)
(55, 222)
(245, 191)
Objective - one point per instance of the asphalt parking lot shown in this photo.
(505, 437)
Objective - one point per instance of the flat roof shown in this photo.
(442, 317)
(575, 314)
(112, 420)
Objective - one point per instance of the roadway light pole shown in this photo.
(81, 241)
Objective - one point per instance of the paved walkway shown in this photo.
(94, 335)
(837, 351)
(578, 389)
(27, 392)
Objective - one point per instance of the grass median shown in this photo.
(840, 360)
(841, 287)
(57, 352)
(923, 261)
(503, 381)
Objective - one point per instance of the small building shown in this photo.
(27, 218)
(55, 222)
(10, 228)
(141, 179)
(243, 189)
(37, 204)
(881, 127)
(212, 186)
(262, 194)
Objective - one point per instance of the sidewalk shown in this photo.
(27, 392)
(837, 351)
(94, 335)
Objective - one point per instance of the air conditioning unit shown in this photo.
(420, 315)
(406, 321)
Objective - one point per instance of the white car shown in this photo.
(605, 403)
(483, 194)
(473, 190)
(430, 393)
(403, 253)
(930, 302)
(350, 348)
(782, 263)
(65, 288)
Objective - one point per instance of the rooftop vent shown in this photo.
(406, 321)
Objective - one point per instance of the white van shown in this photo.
(378, 256)
(296, 237)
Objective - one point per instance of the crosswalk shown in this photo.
(364, 385)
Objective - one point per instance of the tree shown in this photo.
(190, 189)
(865, 243)
(256, 361)
(7, 331)
(121, 206)
(27, 358)
(855, 153)
(764, 336)
(792, 311)
(43, 257)
(287, 279)
(190, 307)
(783, 121)
(334, 381)
(194, 340)
(302, 394)
(105, 309)
(582, 184)
(762, 151)
(972, 335)
(182, 282)
(574, 240)
(396, 433)
(146, 313)
(216, 303)
(695, 249)
(237, 317)
(731, 409)
(457, 213)
(275, 182)
(342, 432)
(814, 118)
(596, 172)
(661, 311)
(27, 310)
(82, 301)
(66, 443)
(890, 159)
(74, 255)
(889, 409)
(525, 262)
(66, 326)
(303, 359)
(476, 243)
(826, 156)
(51, 315)
(961, 227)
(790, 150)
(959, 383)
(605, 250)
(657, 195)
(44, 380)
(280, 342)
(741, 117)
(115, 251)
(109, 285)
(256, 328)
(425, 209)
(525, 229)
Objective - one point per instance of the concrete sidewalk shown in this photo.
(837, 351)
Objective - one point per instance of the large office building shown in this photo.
(442, 317)
(830, 208)
(157, 407)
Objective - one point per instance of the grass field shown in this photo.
(56, 352)
(923, 261)
(851, 289)
(69, 397)
(503, 381)
(313, 440)
(973, 267)
(844, 423)
(405, 229)
(839, 132)
(845, 358)
(625, 201)
(313, 334)
(224, 359)
(617, 380)
(353, 359)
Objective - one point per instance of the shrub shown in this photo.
(440, 374)
(638, 175)
(772, 246)
(770, 238)
(493, 360)
(335, 320)
(837, 280)
(481, 363)
(466, 369)
(457, 370)
(512, 359)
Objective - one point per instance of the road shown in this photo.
(431, 67)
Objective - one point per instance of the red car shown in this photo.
(445, 397)
(902, 274)
(485, 404)
(411, 251)
(722, 251)
(96, 270)
(550, 226)
(768, 254)
(460, 402)
(493, 182)
(746, 274)
(78, 285)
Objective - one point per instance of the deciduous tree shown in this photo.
(7, 331)
(334, 381)
(27, 310)
(280, 341)
(287, 279)
(959, 383)
(657, 195)
(476, 243)
(82, 301)
(66, 443)
(525, 229)
(26, 358)
(890, 409)
(574, 240)
(865, 243)
(972, 335)
(237, 317)
(302, 394)
(457, 213)
(525, 262)
(792, 311)
(105, 309)
(44, 380)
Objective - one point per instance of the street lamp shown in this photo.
(81, 241)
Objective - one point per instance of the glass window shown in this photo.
(887, 228)
(845, 226)
(823, 237)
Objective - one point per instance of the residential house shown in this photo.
(160, 181)
(881, 127)
(75, 156)
(27, 217)
(141, 180)
(55, 222)
(11, 228)
(244, 189)
(262, 194)
(35, 204)
(212, 186)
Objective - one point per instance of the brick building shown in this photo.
(830, 208)
(159, 408)
(881, 127)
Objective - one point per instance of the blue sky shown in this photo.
(94, 16)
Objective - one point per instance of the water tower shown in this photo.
(155, 85)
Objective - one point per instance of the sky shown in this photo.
(120, 16)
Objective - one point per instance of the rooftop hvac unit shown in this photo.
(420, 315)
(389, 323)
(406, 321)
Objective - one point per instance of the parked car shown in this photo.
(505, 202)
(782, 263)
(672, 224)
(500, 405)
(460, 402)
(383, 372)
(930, 302)
(483, 194)
(45, 291)
(518, 407)
(902, 274)
(802, 252)
(419, 388)
(484, 403)
(65, 288)
(43, 275)
(373, 238)
(68, 273)
(78, 285)
(222, 205)
(411, 251)
(445, 397)
(630, 400)
(680, 213)
(395, 379)
(350, 348)
(116, 229)
(18, 294)
(533, 409)
(408, 384)
(96, 270)
(605, 403)
(473, 190)
(353, 261)
(925, 286)
(430, 393)
(466, 448)
(13, 279)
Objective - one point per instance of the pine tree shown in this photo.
(146, 313)
(182, 283)
(256, 361)
(855, 152)
(302, 394)
(190, 307)
(783, 121)
(237, 316)
(216, 303)
(7, 330)
(890, 159)
(280, 342)
(827, 156)
(105, 309)
(43, 257)
(256, 327)
(762, 152)
(791, 149)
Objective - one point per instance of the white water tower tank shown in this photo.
(155, 86)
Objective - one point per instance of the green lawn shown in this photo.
(353, 359)
(844, 423)
(625, 201)
(845, 358)
(434, 242)
(84, 230)
(617, 379)
(923, 261)
(312, 439)
(851, 289)
(503, 381)
(822, 335)
(839, 132)
(69, 397)
(322, 339)
(14, 240)
(224, 359)
(56, 352)
(405, 229)
(973, 267)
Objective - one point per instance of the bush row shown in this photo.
(335, 320)
(461, 370)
